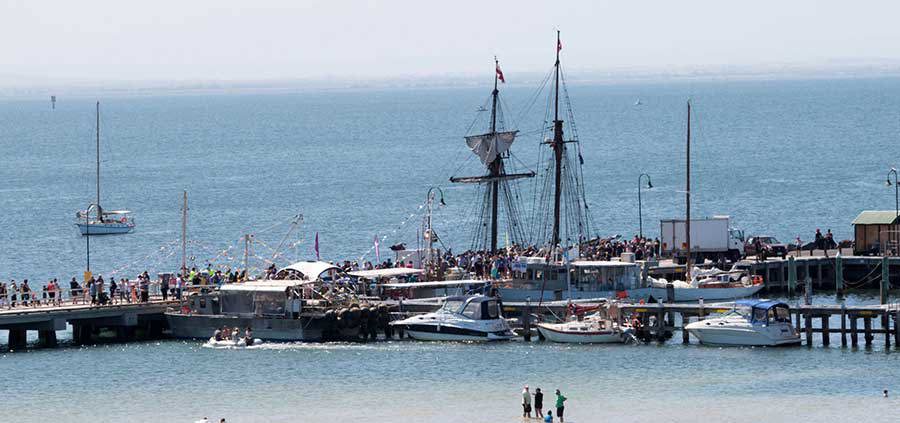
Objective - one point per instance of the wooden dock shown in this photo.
(881, 320)
(86, 320)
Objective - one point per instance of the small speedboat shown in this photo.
(229, 343)
(595, 328)
(460, 318)
(749, 323)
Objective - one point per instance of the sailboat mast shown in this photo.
(496, 165)
(184, 216)
(98, 161)
(687, 196)
(557, 151)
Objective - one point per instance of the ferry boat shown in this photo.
(460, 318)
(750, 323)
(301, 303)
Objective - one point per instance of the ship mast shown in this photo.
(687, 196)
(496, 166)
(99, 210)
(558, 150)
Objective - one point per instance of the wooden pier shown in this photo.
(883, 320)
(87, 321)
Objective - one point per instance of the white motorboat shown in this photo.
(596, 328)
(711, 284)
(460, 318)
(750, 323)
(228, 343)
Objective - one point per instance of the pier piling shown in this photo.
(17, 339)
(843, 325)
(885, 280)
(826, 335)
(807, 321)
(792, 277)
(854, 333)
(839, 276)
(47, 338)
(867, 326)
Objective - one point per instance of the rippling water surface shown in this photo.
(782, 157)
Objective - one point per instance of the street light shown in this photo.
(640, 211)
(887, 182)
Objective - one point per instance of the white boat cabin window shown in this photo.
(759, 314)
(493, 310)
(452, 305)
(782, 314)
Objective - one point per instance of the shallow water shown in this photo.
(783, 157)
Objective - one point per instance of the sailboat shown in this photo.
(95, 220)
(493, 149)
(713, 284)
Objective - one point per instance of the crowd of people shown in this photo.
(100, 291)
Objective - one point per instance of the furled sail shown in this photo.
(488, 146)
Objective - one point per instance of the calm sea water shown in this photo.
(782, 157)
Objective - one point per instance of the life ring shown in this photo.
(123, 220)
(757, 279)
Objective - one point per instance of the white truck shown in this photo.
(711, 237)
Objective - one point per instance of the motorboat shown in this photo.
(460, 318)
(709, 284)
(595, 328)
(750, 323)
(228, 343)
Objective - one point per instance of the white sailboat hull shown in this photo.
(694, 294)
(553, 332)
(106, 228)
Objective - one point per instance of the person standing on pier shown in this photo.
(112, 290)
(74, 290)
(526, 403)
(164, 287)
(26, 293)
(13, 293)
(3, 301)
(538, 403)
(560, 405)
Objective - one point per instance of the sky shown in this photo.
(273, 40)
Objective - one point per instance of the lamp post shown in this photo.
(428, 232)
(887, 182)
(640, 211)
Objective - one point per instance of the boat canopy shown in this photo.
(306, 270)
(763, 311)
(478, 307)
(386, 273)
(601, 263)
(435, 284)
(261, 286)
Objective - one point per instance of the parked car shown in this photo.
(769, 244)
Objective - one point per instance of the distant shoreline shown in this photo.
(122, 88)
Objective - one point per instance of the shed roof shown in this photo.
(876, 217)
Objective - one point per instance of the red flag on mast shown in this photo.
(558, 46)
(500, 74)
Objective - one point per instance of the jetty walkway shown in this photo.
(126, 319)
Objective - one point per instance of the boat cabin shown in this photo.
(474, 307)
(586, 275)
(764, 312)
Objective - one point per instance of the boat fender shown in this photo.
(342, 318)
(353, 317)
(757, 279)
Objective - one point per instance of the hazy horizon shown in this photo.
(60, 43)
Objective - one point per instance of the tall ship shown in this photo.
(499, 207)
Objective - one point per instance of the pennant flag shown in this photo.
(500, 74)
(377, 252)
(558, 46)
(317, 246)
